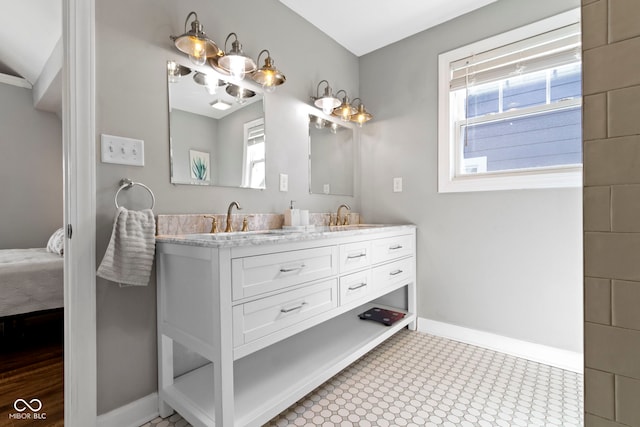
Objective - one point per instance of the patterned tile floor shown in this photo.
(416, 379)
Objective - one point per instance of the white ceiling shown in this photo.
(363, 26)
(29, 32)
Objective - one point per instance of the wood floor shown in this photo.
(32, 367)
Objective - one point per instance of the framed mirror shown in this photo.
(331, 156)
(216, 129)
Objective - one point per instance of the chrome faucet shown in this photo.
(346, 218)
(229, 222)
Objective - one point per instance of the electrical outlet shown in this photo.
(284, 182)
(122, 151)
(397, 185)
(326, 188)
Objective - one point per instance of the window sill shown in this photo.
(566, 177)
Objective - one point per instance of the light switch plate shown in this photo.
(284, 182)
(121, 150)
(397, 184)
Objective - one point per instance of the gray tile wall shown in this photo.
(611, 132)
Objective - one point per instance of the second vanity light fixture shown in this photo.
(233, 62)
(330, 104)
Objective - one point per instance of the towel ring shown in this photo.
(126, 183)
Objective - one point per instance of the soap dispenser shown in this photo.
(292, 216)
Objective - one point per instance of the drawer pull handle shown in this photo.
(395, 273)
(361, 285)
(289, 270)
(357, 256)
(393, 248)
(289, 310)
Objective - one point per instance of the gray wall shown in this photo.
(30, 171)
(505, 262)
(190, 131)
(132, 47)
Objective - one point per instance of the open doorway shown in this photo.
(31, 218)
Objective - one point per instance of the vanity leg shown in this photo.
(165, 372)
(223, 335)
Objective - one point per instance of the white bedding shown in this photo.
(30, 280)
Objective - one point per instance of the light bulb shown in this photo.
(269, 85)
(327, 105)
(198, 60)
(345, 114)
(269, 88)
(236, 67)
(198, 54)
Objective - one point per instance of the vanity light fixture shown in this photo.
(175, 71)
(195, 42)
(240, 93)
(327, 101)
(362, 115)
(234, 61)
(268, 76)
(210, 83)
(345, 110)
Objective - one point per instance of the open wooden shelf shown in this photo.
(267, 381)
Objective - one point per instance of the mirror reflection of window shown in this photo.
(254, 154)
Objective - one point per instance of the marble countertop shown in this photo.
(260, 237)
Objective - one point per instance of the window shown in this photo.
(253, 175)
(510, 114)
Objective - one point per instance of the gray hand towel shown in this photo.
(131, 250)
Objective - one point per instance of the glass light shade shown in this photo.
(235, 62)
(327, 101)
(268, 76)
(345, 111)
(195, 42)
(175, 71)
(362, 116)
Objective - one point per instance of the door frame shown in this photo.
(78, 136)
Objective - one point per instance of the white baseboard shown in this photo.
(559, 358)
(133, 414)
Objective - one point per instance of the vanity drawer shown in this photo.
(391, 248)
(256, 319)
(355, 286)
(354, 256)
(256, 275)
(393, 274)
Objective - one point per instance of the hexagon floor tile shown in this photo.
(416, 379)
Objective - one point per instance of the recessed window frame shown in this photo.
(448, 150)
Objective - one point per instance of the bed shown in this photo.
(30, 280)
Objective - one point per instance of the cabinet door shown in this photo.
(391, 248)
(255, 275)
(354, 256)
(255, 319)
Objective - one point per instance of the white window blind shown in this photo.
(554, 48)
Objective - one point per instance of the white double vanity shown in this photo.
(275, 312)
